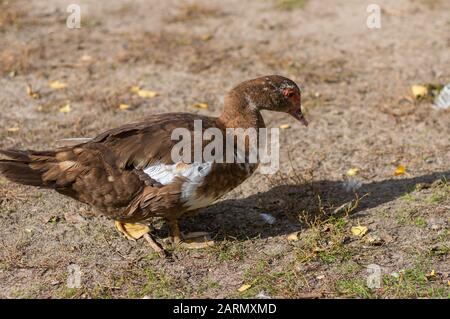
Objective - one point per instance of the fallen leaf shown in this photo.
(135, 89)
(352, 171)
(13, 129)
(244, 288)
(124, 107)
(201, 105)
(448, 283)
(400, 170)
(359, 230)
(207, 37)
(34, 95)
(285, 126)
(318, 249)
(374, 240)
(147, 94)
(143, 93)
(57, 85)
(293, 236)
(52, 220)
(431, 274)
(65, 108)
(419, 91)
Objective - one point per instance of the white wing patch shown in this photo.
(194, 173)
(161, 173)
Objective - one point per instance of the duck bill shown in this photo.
(298, 115)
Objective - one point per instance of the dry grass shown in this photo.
(430, 4)
(16, 60)
(194, 12)
(198, 53)
(11, 15)
(290, 4)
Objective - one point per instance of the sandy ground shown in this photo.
(356, 83)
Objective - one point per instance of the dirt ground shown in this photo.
(356, 94)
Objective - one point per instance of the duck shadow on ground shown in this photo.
(240, 219)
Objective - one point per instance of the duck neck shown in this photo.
(240, 112)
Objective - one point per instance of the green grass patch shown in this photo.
(409, 197)
(231, 252)
(324, 241)
(159, 285)
(353, 288)
(420, 222)
(414, 282)
(274, 283)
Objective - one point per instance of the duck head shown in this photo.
(272, 93)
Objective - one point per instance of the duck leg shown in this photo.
(195, 240)
(135, 231)
(175, 234)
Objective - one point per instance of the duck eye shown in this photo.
(288, 93)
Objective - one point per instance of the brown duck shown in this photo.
(128, 173)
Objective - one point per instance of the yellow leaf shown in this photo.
(293, 236)
(147, 94)
(206, 37)
(201, 105)
(143, 93)
(448, 283)
(432, 273)
(400, 170)
(34, 95)
(359, 230)
(65, 108)
(13, 129)
(124, 106)
(285, 126)
(419, 91)
(244, 288)
(352, 171)
(135, 89)
(57, 85)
